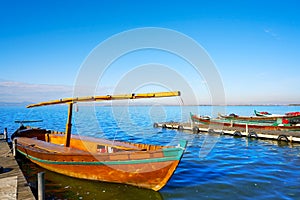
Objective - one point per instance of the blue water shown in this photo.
(213, 167)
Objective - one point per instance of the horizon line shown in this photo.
(148, 104)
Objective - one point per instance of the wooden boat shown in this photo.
(278, 125)
(142, 165)
(267, 114)
(292, 114)
(235, 117)
(262, 113)
(269, 118)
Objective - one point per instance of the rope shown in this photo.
(6, 154)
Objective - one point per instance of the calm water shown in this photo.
(213, 167)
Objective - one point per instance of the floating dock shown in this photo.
(287, 136)
(13, 184)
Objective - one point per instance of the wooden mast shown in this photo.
(107, 98)
(69, 126)
(71, 101)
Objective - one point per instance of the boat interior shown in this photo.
(54, 141)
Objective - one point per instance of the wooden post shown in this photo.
(5, 134)
(14, 147)
(69, 126)
(291, 139)
(231, 123)
(41, 185)
(247, 128)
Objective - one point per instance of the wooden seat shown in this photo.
(55, 148)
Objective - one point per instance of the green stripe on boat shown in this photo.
(171, 155)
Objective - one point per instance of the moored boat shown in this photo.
(280, 124)
(262, 113)
(292, 114)
(293, 118)
(267, 114)
(142, 165)
(271, 119)
(246, 118)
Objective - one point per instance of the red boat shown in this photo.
(292, 114)
(292, 118)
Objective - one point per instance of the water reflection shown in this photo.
(58, 186)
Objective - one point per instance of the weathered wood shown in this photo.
(11, 168)
(107, 98)
(8, 188)
(69, 125)
(5, 134)
(41, 186)
(14, 147)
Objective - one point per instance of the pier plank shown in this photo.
(11, 169)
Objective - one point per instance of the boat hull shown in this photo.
(145, 169)
(232, 123)
(154, 175)
(259, 118)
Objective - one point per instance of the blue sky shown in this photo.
(255, 45)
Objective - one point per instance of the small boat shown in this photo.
(267, 114)
(142, 165)
(262, 113)
(280, 124)
(235, 117)
(292, 114)
(292, 119)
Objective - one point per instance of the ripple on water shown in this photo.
(213, 167)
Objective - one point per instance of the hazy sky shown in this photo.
(255, 45)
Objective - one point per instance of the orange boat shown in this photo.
(142, 165)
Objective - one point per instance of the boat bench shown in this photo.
(55, 148)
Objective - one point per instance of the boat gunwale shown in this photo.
(242, 125)
(80, 152)
(258, 118)
(168, 153)
(116, 162)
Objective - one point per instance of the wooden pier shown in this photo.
(287, 136)
(13, 184)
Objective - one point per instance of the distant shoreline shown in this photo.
(137, 104)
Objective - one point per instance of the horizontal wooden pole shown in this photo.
(107, 98)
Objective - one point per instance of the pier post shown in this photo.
(14, 147)
(41, 185)
(247, 128)
(5, 134)
(192, 124)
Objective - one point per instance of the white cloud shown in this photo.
(271, 33)
(16, 92)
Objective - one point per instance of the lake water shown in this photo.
(213, 167)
